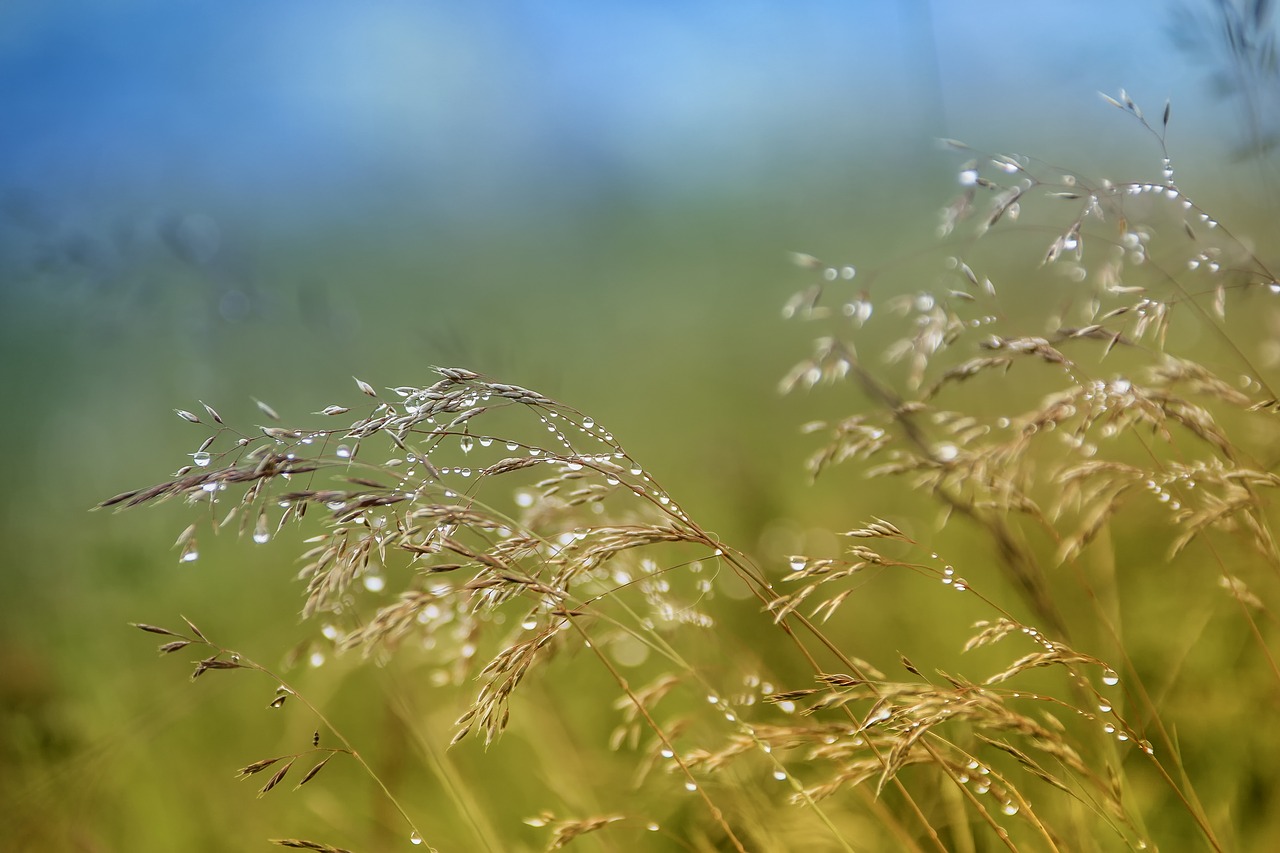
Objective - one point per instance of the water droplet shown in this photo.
(414, 838)
(780, 775)
(316, 659)
(1010, 808)
(798, 562)
(588, 423)
(690, 786)
(261, 534)
(189, 552)
(1110, 678)
(374, 583)
(653, 827)
(667, 753)
(201, 458)
(466, 443)
(529, 624)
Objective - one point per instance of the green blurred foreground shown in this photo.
(661, 324)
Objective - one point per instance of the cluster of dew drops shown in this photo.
(1109, 678)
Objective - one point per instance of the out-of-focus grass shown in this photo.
(631, 313)
(663, 324)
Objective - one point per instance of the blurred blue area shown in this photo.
(304, 109)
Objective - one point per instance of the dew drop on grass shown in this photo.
(798, 562)
(690, 786)
(414, 838)
(189, 552)
(466, 443)
(666, 753)
(780, 775)
(485, 441)
(261, 534)
(1010, 808)
(201, 458)
(529, 624)
(588, 423)
(653, 827)
(1110, 678)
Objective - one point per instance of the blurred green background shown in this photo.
(221, 202)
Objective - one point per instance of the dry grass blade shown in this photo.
(300, 844)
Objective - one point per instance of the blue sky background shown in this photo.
(299, 107)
